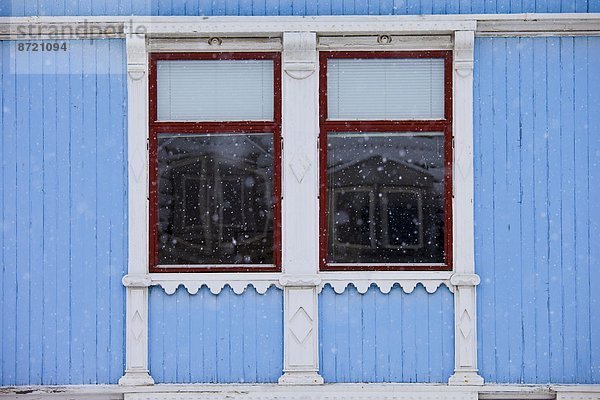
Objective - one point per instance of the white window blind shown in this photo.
(215, 90)
(385, 89)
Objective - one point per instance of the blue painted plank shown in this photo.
(355, 335)
(361, 7)
(155, 333)
(50, 192)
(118, 216)
(541, 224)
(285, 7)
(567, 169)
(435, 337)
(170, 346)
(502, 254)
(272, 7)
(328, 349)
(36, 223)
(594, 193)
(342, 314)
(439, 7)
(452, 7)
(379, 7)
(184, 313)
(9, 206)
(177, 7)
(386, 7)
(298, 7)
(413, 6)
(382, 338)
(236, 337)
(528, 212)
(554, 6)
(448, 336)
(78, 206)
(105, 152)
(409, 338)
(465, 6)
(581, 212)
(399, 7)
(23, 215)
(484, 203)
(3, 272)
(223, 332)
(516, 6)
(64, 204)
(554, 210)
(426, 7)
(422, 329)
(249, 339)
(210, 324)
(369, 311)
(88, 210)
(513, 184)
(396, 342)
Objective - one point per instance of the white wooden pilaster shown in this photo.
(300, 208)
(464, 279)
(137, 279)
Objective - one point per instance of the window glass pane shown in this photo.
(386, 197)
(215, 90)
(386, 89)
(215, 199)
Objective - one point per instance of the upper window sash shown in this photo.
(386, 86)
(196, 87)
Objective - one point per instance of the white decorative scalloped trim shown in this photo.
(385, 286)
(238, 287)
(215, 282)
(339, 281)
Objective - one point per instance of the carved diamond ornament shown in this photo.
(300, 166)
(137, 325)
(464, 163)
(465, 324)
(301, 325)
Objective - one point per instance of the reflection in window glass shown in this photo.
(386, 197)
(215, 199)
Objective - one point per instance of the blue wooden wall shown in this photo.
(537, 191)
(63, 179)
(290, 7)
(224, 338)
(395, 337)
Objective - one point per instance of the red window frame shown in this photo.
(443, 125)
(203, 127)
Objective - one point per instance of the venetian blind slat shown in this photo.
(207, 90)
(385, 89)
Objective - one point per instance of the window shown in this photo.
(215, 143)
(385, 154)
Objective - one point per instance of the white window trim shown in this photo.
(300, 277)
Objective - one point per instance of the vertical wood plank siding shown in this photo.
(537, 185)
(290, 7)
(224, 338)
(63, 200)
(395, 337)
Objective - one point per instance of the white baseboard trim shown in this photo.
(352, 391)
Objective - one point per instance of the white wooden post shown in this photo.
(464, 279)
(300, 208)
(137, 279)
